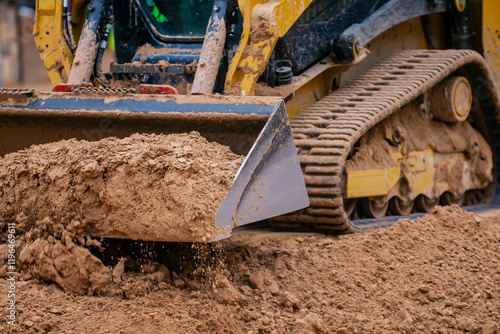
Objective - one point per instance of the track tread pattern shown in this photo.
(325, 132)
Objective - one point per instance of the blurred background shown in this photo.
(21, 65)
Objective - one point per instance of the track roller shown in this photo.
(425, 204)
(349, 205)
(400, 207)
(374, 207)
(448, 199)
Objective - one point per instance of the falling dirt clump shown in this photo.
(48, 250)
(148, 187)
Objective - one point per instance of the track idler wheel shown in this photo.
(425, 204)
(374, 207)
(400, 207)
(451, 100)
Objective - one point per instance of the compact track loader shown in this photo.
(350, 112)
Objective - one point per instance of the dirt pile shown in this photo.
(435, 274)
(143, 186)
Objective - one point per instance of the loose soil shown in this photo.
(148, 187)
(435, 274)
(263, 89)
(145, 186)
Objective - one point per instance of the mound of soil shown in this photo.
(148, 187)
(141, 187)
(435, 274)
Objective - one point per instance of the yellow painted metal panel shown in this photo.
(491, 35)
(263, 23)
(310, 86)
(424, 180)
(46, 7)
(427, 172)
(375, 182)
(48, 33)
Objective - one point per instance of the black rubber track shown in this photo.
(325, 132)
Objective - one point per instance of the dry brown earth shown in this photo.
(436, 274)
(146, 186)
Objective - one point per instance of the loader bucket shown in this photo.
(269, 182)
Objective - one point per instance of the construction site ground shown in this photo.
(435, 274)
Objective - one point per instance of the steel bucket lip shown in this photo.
(128, 105)
(269, 183)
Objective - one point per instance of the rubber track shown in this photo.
(325, 132)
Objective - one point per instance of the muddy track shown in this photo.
(326, 132)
